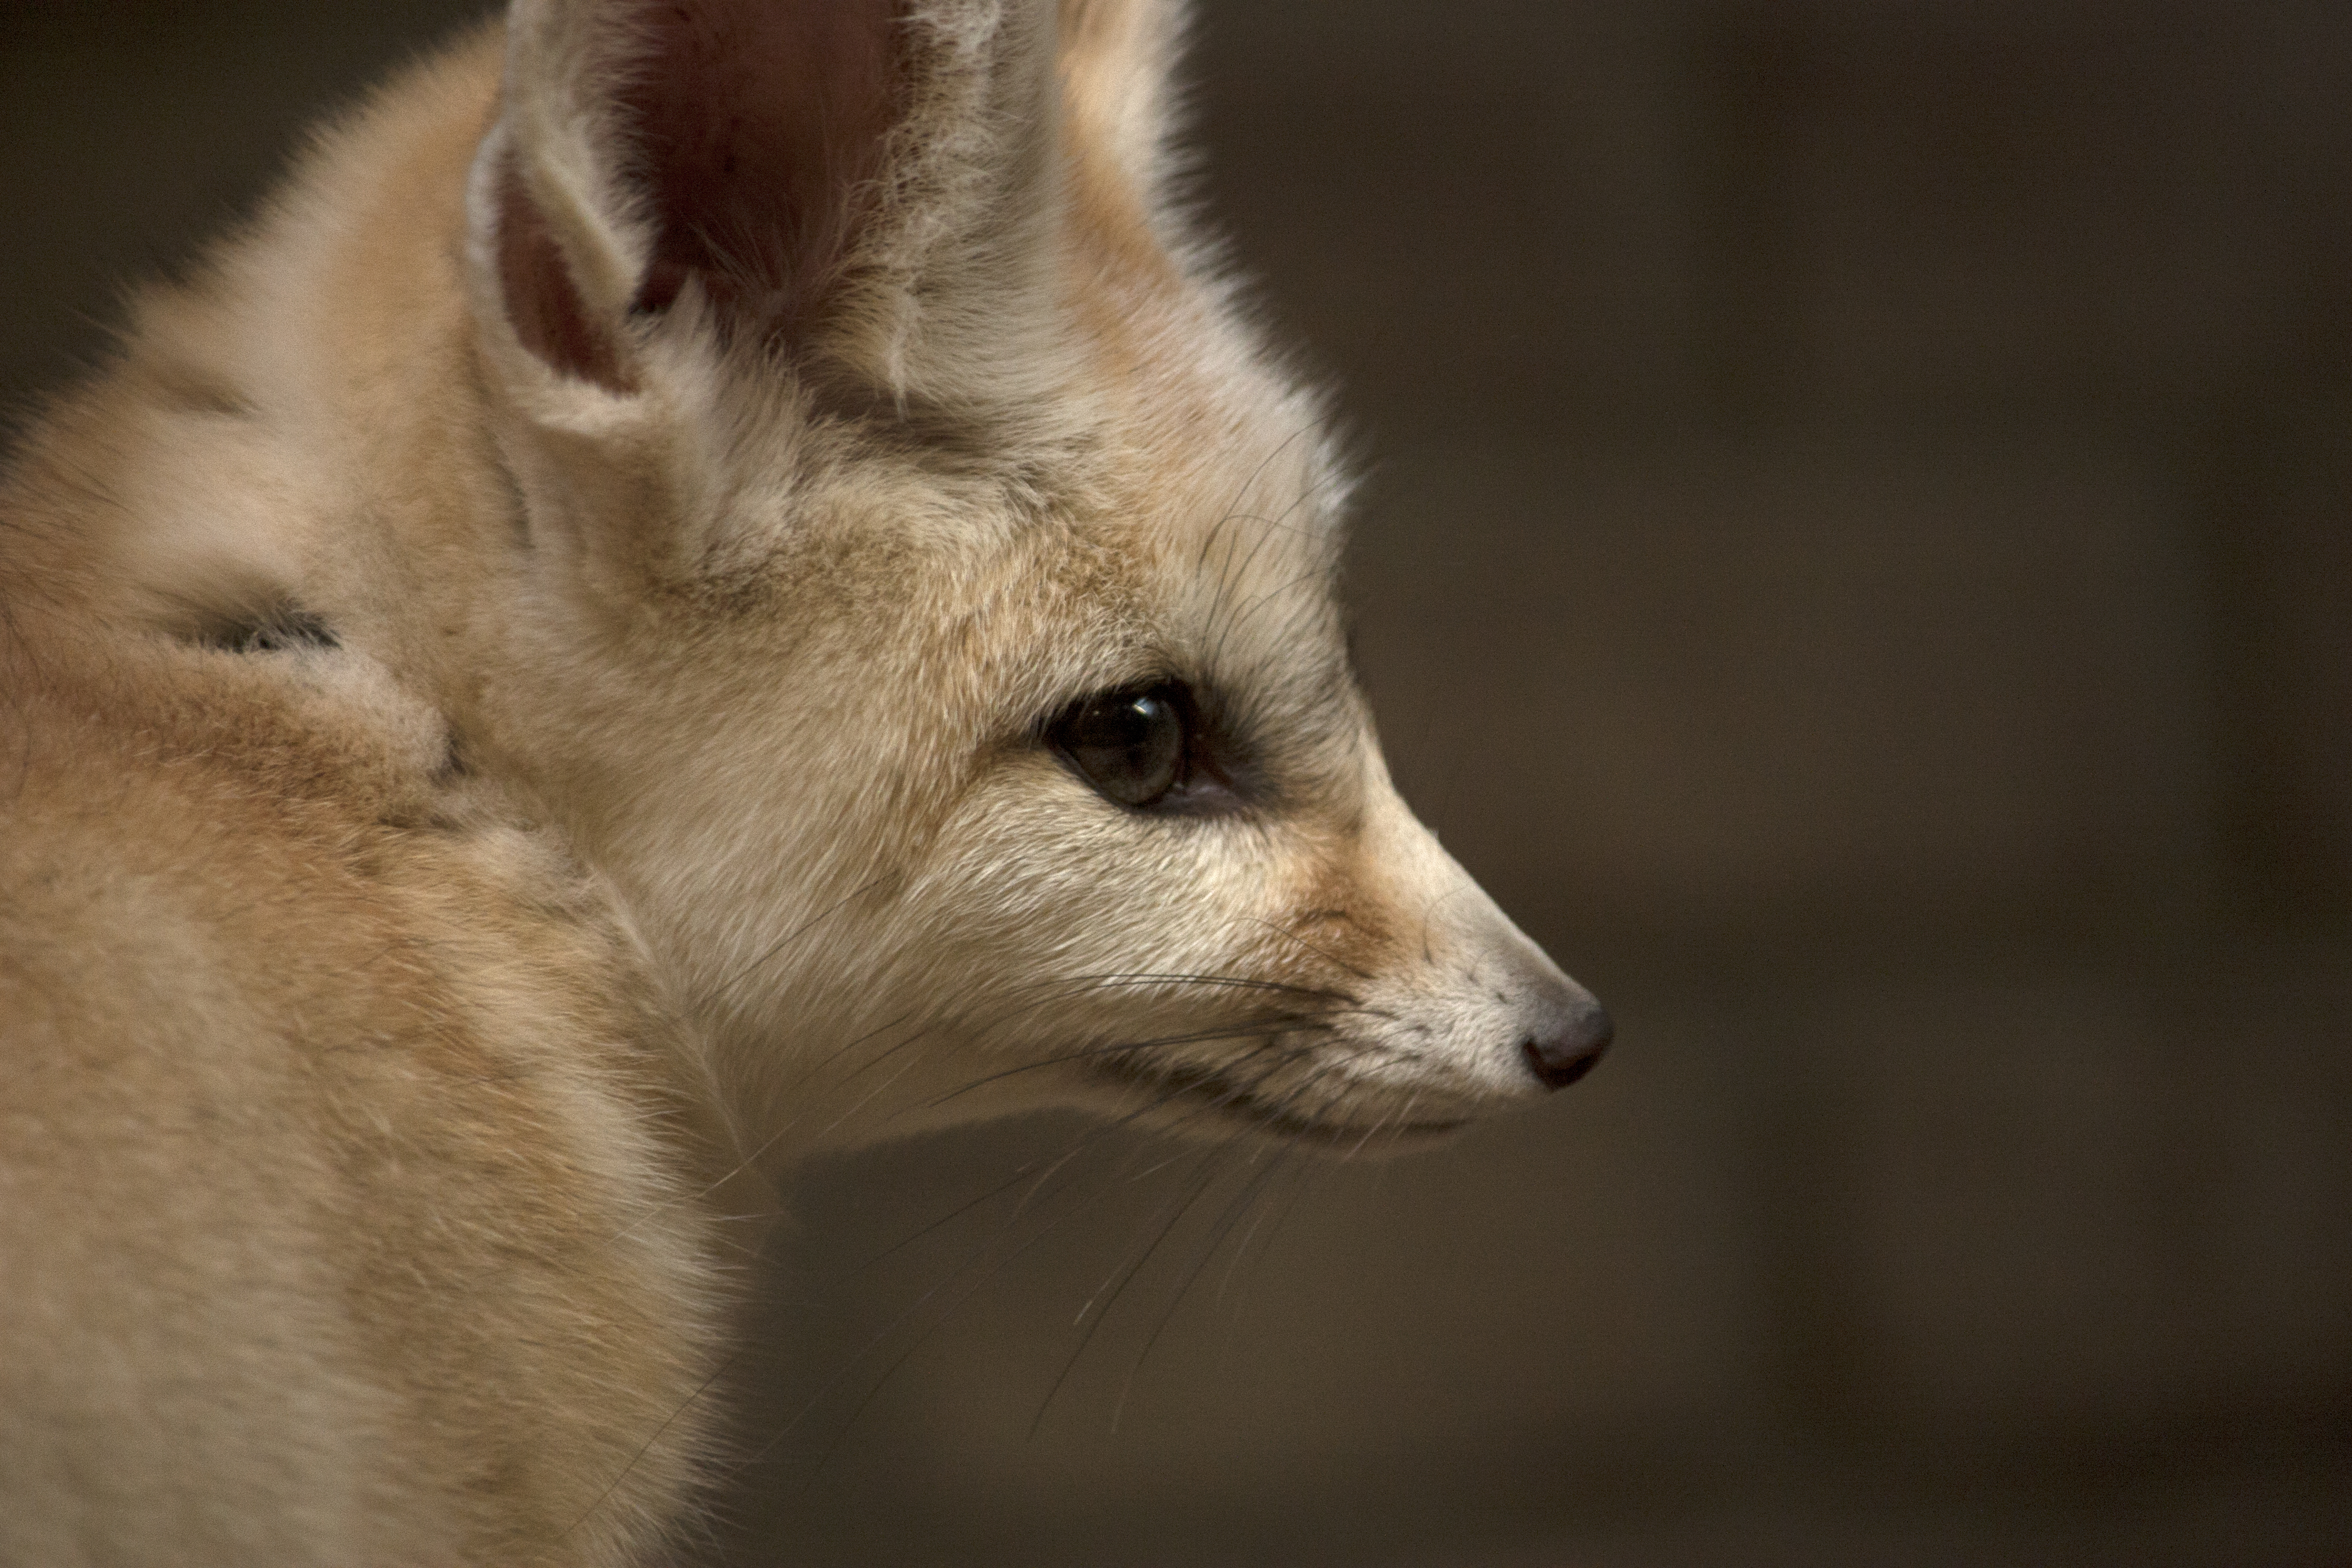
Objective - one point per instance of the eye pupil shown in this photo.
(1129, 745)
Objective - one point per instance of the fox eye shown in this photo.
(1130, 745)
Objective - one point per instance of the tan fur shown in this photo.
(384, 1026)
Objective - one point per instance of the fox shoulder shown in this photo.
(347, 1213)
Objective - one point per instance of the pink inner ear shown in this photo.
(756, 128)
(543, 301)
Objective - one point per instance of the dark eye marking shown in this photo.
(1143, 747)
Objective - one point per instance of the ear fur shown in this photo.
(859, 185)
(1117, 64)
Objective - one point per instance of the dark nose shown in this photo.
(1568, 1050)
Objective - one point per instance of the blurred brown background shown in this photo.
(1857, 558)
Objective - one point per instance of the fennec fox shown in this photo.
(701, 553)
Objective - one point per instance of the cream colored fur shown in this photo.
(460, 823)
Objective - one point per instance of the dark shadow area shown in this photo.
(1857, 556)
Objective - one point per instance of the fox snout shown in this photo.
(1569, 1032)
(1550, 1029)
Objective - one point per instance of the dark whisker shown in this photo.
(1080, 983)
(833, 1057)
(1077, 1147)
(1235, 1092)
(959, 1272)
(961, 1269)
(1282, 1024)
(753, 1159)
(825, 1392)
(1247, 486)
(1175, 1211)
(1226, 1285)
(797, 932)
(1219, 1231)
(1335, 962)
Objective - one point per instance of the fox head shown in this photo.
(921, 597)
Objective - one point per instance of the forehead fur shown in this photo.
(1201, 544)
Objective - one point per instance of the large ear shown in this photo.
(868, 185)
(1117, 65)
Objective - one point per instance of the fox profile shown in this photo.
(698, 553)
